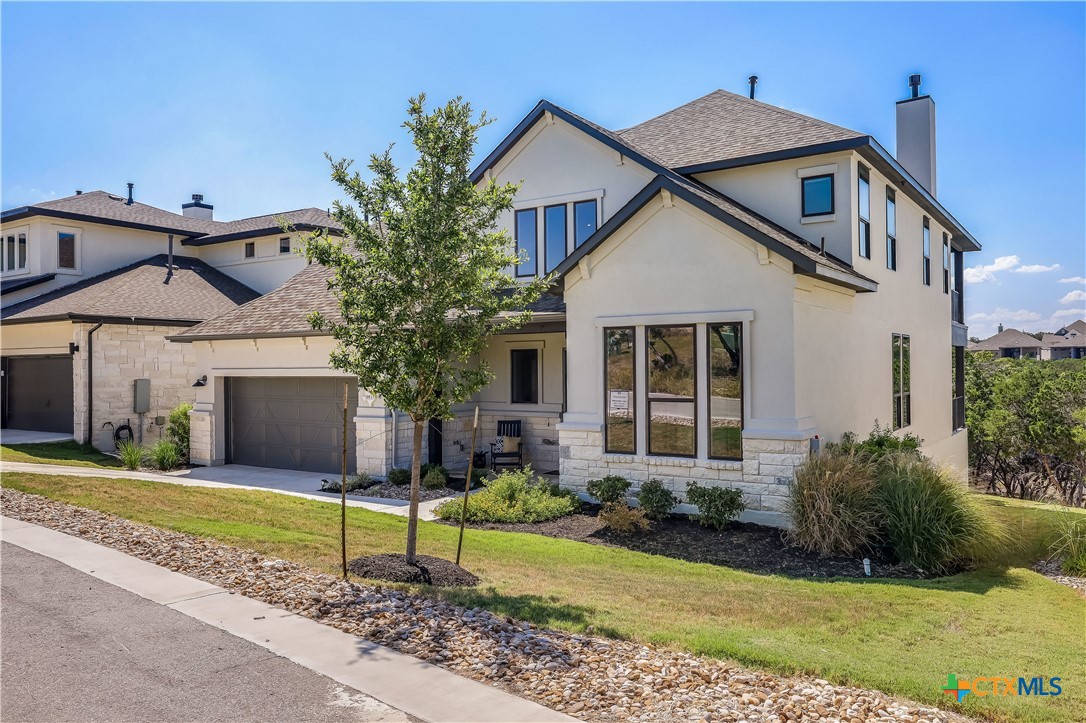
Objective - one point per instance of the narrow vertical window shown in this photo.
(22, 251)
(958, 376)
(725, 391)
(584, 221)
(554, 235)
(9, 263)
(620, 434)
(65, 250)
(946, 264)
(250, 249)
(891, 231)
(863, 210)
(902, 408)
(927, 253)
(524, 372)
(525, 232)
(671, 357)
(818, 195)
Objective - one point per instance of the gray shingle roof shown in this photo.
(196, 292)
(723, 126)
(1006, 339)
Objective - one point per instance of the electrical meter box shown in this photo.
(142, 396)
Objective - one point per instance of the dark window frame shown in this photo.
(250, 250)
(547, 265)
(23, 253)
(803, 195)
(946, 263)
(595, 220)
(901, 392)
(532, 262)
(536, 391)
(75, 254)
(864, 229)
(9, 253)
(648, 393)
(709, 392)
(891, 238)
(287, 249)
(607, 391)
(927, 252)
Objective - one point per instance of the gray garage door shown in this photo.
(38, 393)
(291, 422)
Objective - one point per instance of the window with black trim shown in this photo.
(863, 211)
(284, 245)
(818, 195)
(250, 249)
(65, 250)
(725, 408)
(525, 232)
(891, 231)
(671, 357)
(957, 373)
(927, 253)
(554, 235)
(902, 410)
(584, 221)
(524, 372)
(620, 433)
(946, 264)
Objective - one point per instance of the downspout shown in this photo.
(90, 380)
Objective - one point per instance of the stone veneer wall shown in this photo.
(539, 438)
(122, 354)
(764, 474)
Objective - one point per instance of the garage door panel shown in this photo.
(39, 393)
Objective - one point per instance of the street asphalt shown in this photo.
(74, 648)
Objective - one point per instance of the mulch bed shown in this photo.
(389, 491)
(741, 545)
(427, 570)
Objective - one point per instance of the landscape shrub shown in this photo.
(620, 517)
(717, 506)
(164, 455)
(437, 478)
(356, 482)
(131, 454)
(879, 443)
(656, 500)
(611, 488)
(1070, 545)
(399, 476)
(932, 521)
(512, 496)
(178, 429)
(833, 510)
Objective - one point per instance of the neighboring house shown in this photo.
(732, 281)
(90, 272)
(1067, 343)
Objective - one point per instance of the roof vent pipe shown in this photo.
(914, 83)
(169, 260)
(130, 187)
(753, 80)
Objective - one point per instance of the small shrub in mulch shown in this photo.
(623, 519)
(611, 488)
(427, 570)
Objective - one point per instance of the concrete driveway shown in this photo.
(26, 436)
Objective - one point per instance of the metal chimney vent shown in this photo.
(753, 80)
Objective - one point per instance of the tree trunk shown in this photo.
(413, 509)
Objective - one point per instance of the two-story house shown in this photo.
(733, 281)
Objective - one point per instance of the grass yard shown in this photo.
(69, 454)
(900, 636)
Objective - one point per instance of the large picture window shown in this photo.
(863, 211)
(900, 363)
(554, 235)
(620, 434)
(725, 391)
(524, 371)
(525, 233)
(671, 357)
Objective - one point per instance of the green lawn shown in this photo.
(902, 637)
(69, 454)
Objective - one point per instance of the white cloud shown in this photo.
(986, 272)
(1035, 269)
(1073, 296)
(1002, 315)
(1074, 280)
(1069, 314)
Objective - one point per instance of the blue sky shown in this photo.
(240, 101)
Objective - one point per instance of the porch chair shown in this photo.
(507, 450)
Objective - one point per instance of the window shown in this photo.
(584, 221)
(946, 264)
(10, 246)
(671, 357)
(725, 391)
(891, 231)
(818, 195)
(524, 370)
(13, 252)
(927, 253)
(250, 249)
(554, 235)
(957, 373)
(65, 250)
(620, 435)
(526, 237)
(863, 210)
(284, 245)
(22, 251)
(900, 364)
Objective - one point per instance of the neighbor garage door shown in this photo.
(291, 422)
(38, 393)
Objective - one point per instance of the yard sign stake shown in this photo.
(343, 490)
(467, 484)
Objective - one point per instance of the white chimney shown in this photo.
(916, 135)
(198, 209)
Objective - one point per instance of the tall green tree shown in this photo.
(421, 274)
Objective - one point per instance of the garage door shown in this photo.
(38, 393)
(291, 422)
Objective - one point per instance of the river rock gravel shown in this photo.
(586, 677)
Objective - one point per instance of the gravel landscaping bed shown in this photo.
(1053, 571)
(590, 678)
(741, 545)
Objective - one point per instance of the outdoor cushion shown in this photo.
(507, 445)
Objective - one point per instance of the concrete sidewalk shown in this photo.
(237, 476)
(400, 681)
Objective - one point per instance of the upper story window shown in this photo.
(891, 231)
(927, 252)
(65, 250)
(14, 253)
(250, 249)
(818, 195)
(900, 364)
(584, 221)
(524, 372)
(284, 245)
(946, 264)
(863, 211)
(554, 236)
(525, 233)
